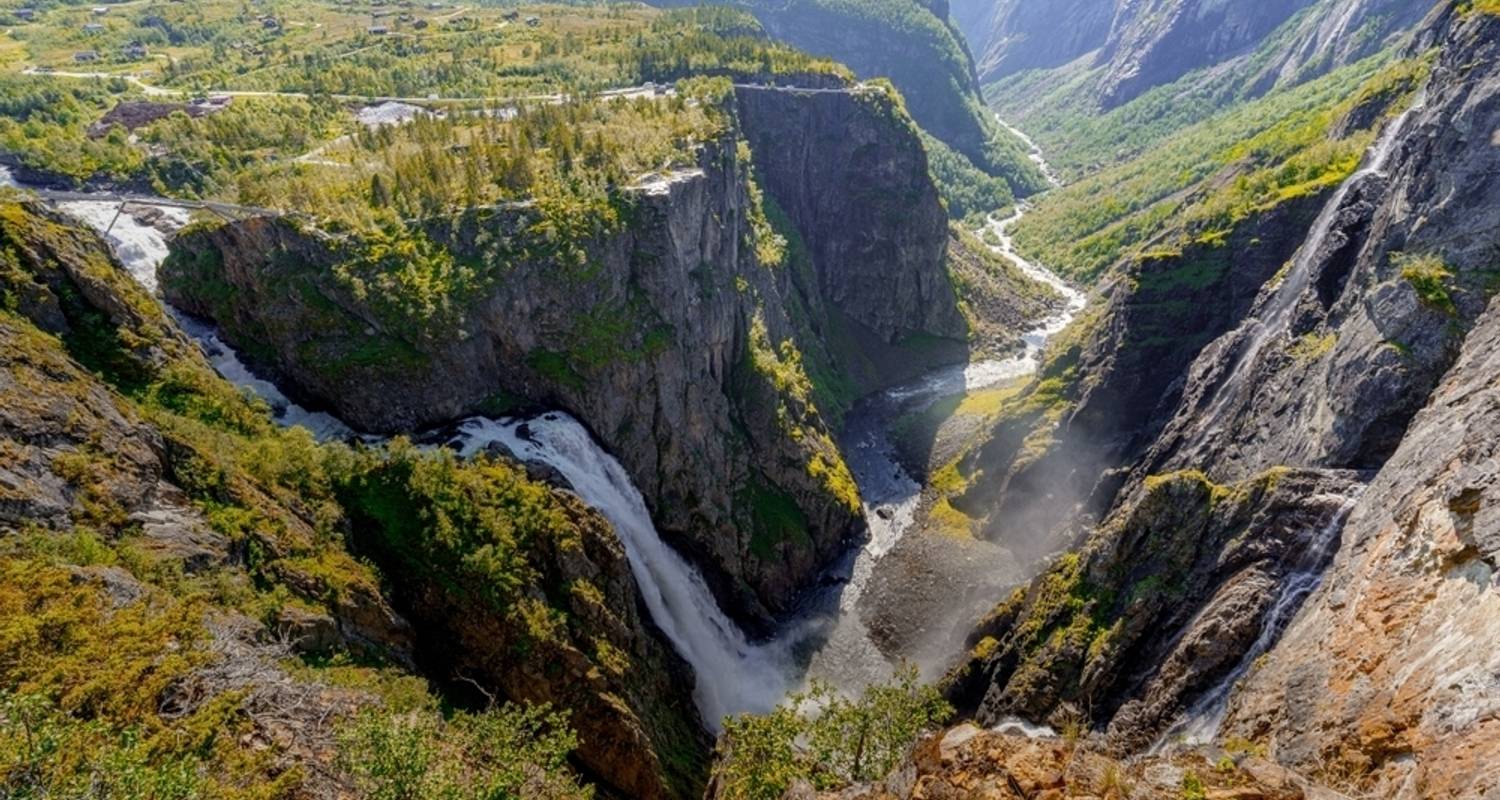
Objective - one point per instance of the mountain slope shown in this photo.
(201, 601)
(1163, 625)
(1162, 66)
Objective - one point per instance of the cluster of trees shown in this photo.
(45, 122)
(435, 165)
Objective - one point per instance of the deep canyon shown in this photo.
(1125, 370)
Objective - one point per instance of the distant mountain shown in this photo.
(1120, 49)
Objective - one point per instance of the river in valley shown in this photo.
(829, 638)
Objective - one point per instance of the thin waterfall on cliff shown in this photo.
(1273, 315)
(733, 675)
(1201, 723)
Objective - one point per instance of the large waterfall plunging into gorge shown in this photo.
(828, 641)
(733, 674)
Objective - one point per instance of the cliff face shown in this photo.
(1357, 367)
(857, 194)
(669, 338)
(1387, 679)
(1013, 36)
(1157, 42)
(1386, 290)
(1128, 48)
(115, 431)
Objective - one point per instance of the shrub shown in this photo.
(505, 752)
(827, 738)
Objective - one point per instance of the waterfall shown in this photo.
(733, 675)
(1201, 723)
(1273, 315)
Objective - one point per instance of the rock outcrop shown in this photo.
(966, 761)
(1158, 607)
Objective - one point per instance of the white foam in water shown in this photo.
(733, 675)
(141, 248)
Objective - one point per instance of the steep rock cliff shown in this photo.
(1385, 288)
(1160, 604)
(1387, 682)
(1339, 352)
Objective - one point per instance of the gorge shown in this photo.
(755, 401)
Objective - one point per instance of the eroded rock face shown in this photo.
(1389, 682)
(862, 201)
(650, 344)
(1362, 341)
(1385, 681)
(1161, 604)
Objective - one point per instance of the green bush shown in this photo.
(828, 739)
(505, 752)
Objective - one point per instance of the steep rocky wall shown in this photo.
(1405, 267)
(664, 338)
(1391, 294)
(1156, 42)
(851, 174)
(1112, 383)
(1389, 682)
(1158, 606)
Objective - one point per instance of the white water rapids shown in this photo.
(733, 674)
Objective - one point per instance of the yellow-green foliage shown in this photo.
(1430, 277)
(797, 414)
(1312, 346)
(473, 60)
(508, 751)
(826, 738)
(1204, 178)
